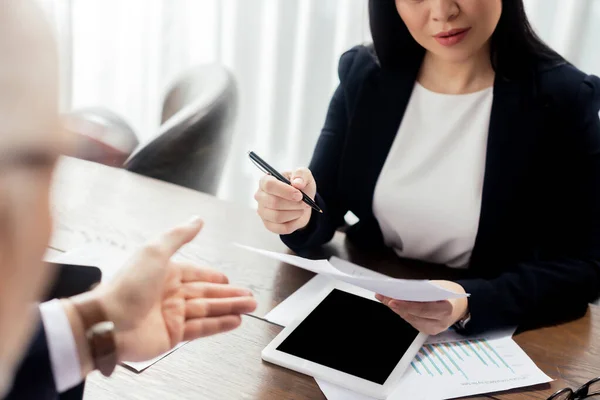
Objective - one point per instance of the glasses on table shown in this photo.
(592, 388)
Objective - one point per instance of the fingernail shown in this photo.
(195, 220)
(298, 181)
(297, 196)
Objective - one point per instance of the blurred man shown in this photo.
(150, 307)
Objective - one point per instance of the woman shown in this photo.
(461, 139)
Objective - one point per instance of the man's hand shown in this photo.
(431, 317)
(156, 302)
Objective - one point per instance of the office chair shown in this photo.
(192, 144)
(100, 135)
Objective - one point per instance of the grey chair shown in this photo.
(100, 135)
(193, 141)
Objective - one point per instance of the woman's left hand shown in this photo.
(431, 317)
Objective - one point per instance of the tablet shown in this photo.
(350, 340)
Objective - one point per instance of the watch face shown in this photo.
(103, 328)
(463, 322)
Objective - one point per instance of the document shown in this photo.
(456, 369)
(109, 259)
(449, 365)
(400, 289)
(444, 370)
(287, 310)
(142, 365)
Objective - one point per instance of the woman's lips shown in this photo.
(452, 37)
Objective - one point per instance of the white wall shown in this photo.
(284, 54)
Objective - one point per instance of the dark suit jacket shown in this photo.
(34, 380)
(537, 250)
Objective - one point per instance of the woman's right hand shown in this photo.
(280, 206)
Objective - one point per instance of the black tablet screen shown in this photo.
(349, 333)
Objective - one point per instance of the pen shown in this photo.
(267, 169)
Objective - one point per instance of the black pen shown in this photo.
(267, 169)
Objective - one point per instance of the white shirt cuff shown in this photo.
(64, 359)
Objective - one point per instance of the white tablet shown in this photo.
(350, 340)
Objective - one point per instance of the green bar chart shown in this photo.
(464, 359)
(450, 366)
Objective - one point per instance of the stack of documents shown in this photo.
(447, 366)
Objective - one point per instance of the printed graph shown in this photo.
(466, 359)
(450, 366)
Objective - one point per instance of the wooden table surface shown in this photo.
(94, 203)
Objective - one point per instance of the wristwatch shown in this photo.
(100, 333)
(461, 324)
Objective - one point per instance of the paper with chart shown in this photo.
(456, 369)
(109, 259)
(449, 365)
(401, 289)
(467, 367)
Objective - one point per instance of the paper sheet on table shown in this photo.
(109, 259)
(296, 303)
(448, 366)
(401, 289)
(142, 365)
(448, 370)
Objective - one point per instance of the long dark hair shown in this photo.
(515, 47)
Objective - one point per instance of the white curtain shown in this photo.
(122, 54)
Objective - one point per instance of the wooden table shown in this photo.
(94, 203)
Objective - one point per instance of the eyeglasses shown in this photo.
(590, 389)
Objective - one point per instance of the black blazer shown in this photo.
(34, 379)
(536, 258)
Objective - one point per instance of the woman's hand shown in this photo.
(280, 206)
(431, 317)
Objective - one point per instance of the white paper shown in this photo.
(293, 305)
(52, 253)
(334, 392)
(400, 289)
(142, 365)
(110, 260)
(476, 377)
(353, 269)
(467, 367)
(457, 369)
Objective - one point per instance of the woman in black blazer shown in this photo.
(534, 257)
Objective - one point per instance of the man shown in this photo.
(150, 307)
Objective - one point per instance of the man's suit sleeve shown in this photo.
(50, 368)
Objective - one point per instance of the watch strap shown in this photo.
(100, 333)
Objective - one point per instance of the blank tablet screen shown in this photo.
(349, 333)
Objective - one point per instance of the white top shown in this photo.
(62, 349)
(428, 196)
